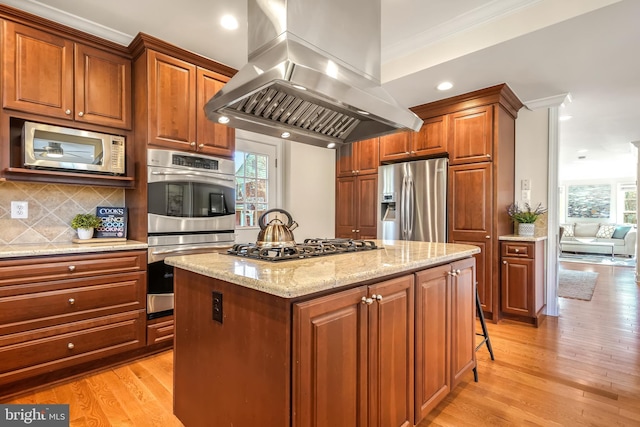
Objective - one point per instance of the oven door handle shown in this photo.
(190, 248)
(194, 174)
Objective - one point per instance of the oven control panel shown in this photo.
(194, 162)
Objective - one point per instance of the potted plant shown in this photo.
(525, 217)
(84, 225)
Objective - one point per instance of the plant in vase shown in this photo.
(84, 225)
(525, 217)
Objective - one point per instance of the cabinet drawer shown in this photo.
(37, 305)
(518, 249)
(27, 354)
(29, 270)
(160, 330)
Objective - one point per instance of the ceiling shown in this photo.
(541, 48)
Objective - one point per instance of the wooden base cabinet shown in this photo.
(445, 331)
(61, 311)
(522, 280)
(353, 357)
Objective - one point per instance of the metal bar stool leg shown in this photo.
(485, 334)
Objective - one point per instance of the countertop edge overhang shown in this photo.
(45, 249)
(297, 278)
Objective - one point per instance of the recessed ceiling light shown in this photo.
(564, 118)
(229, 22)
(223, 120)
(444, 86)
(285, 134)
(331, 145)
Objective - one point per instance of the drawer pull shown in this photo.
(70, 346)
(72, 268)
(72, 301)
(517, 250)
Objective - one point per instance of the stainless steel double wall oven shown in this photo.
(191, 209)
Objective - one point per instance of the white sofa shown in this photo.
(623, 238)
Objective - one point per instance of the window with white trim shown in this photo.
(628, 203)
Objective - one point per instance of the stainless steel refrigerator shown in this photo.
(412, 201)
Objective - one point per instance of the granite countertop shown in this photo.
(42, 249)
(518, 238)
(295, 278)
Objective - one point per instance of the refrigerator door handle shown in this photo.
(411, 208)
(403, 207)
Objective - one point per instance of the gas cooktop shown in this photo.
(309, 248)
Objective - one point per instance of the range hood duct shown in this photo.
(314, 72)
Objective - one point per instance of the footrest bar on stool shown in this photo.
(486, 340)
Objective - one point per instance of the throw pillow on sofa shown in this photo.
(621, 231)
(605, 231)
(568, 230)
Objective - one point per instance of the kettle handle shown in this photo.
(263, 216)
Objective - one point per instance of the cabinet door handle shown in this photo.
(489, 156)
(353, 231)
(453, 273)
(487, 237)
(366, 300)
(72, 268)
(201, 146)
(458, 272)
(413, 152)
(504, 262)
(80, 114)
(67, 112)
(376, 297)
(193, 143)
(357, 231)
(70, 346)
(72, 301)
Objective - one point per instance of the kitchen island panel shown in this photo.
(246, 355)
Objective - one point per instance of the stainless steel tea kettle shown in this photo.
(276, 234)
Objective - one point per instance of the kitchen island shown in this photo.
(373, 338)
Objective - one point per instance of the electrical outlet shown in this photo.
(216, 303)
(19, 210)
(526, 196)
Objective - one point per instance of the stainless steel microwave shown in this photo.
(54, 147)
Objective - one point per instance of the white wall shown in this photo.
(309, 189)
(532, 153)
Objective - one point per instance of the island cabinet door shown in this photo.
(391, 353)
(433, 343)
(330, 360)
(463, 319)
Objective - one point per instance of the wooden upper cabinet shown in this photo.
(212, 138)
(103, 88)
(172, 102)
(430, 140)
(178, 91)
(358, 158)
(49, 75)
(396, 146)
(471, 135)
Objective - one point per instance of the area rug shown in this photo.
(576, 284)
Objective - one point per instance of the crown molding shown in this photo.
(462, 23)
(70, 20)
(548, 102)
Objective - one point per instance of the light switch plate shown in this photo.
(19, 210)
(526, 196)
(526, 184)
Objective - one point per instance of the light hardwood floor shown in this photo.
(581, 368)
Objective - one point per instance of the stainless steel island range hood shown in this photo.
(313, 75)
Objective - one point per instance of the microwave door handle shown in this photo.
(190, 248)
(192, 174)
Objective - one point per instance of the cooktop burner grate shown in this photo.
(309, 248)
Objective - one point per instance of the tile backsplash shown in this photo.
(50, 210)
